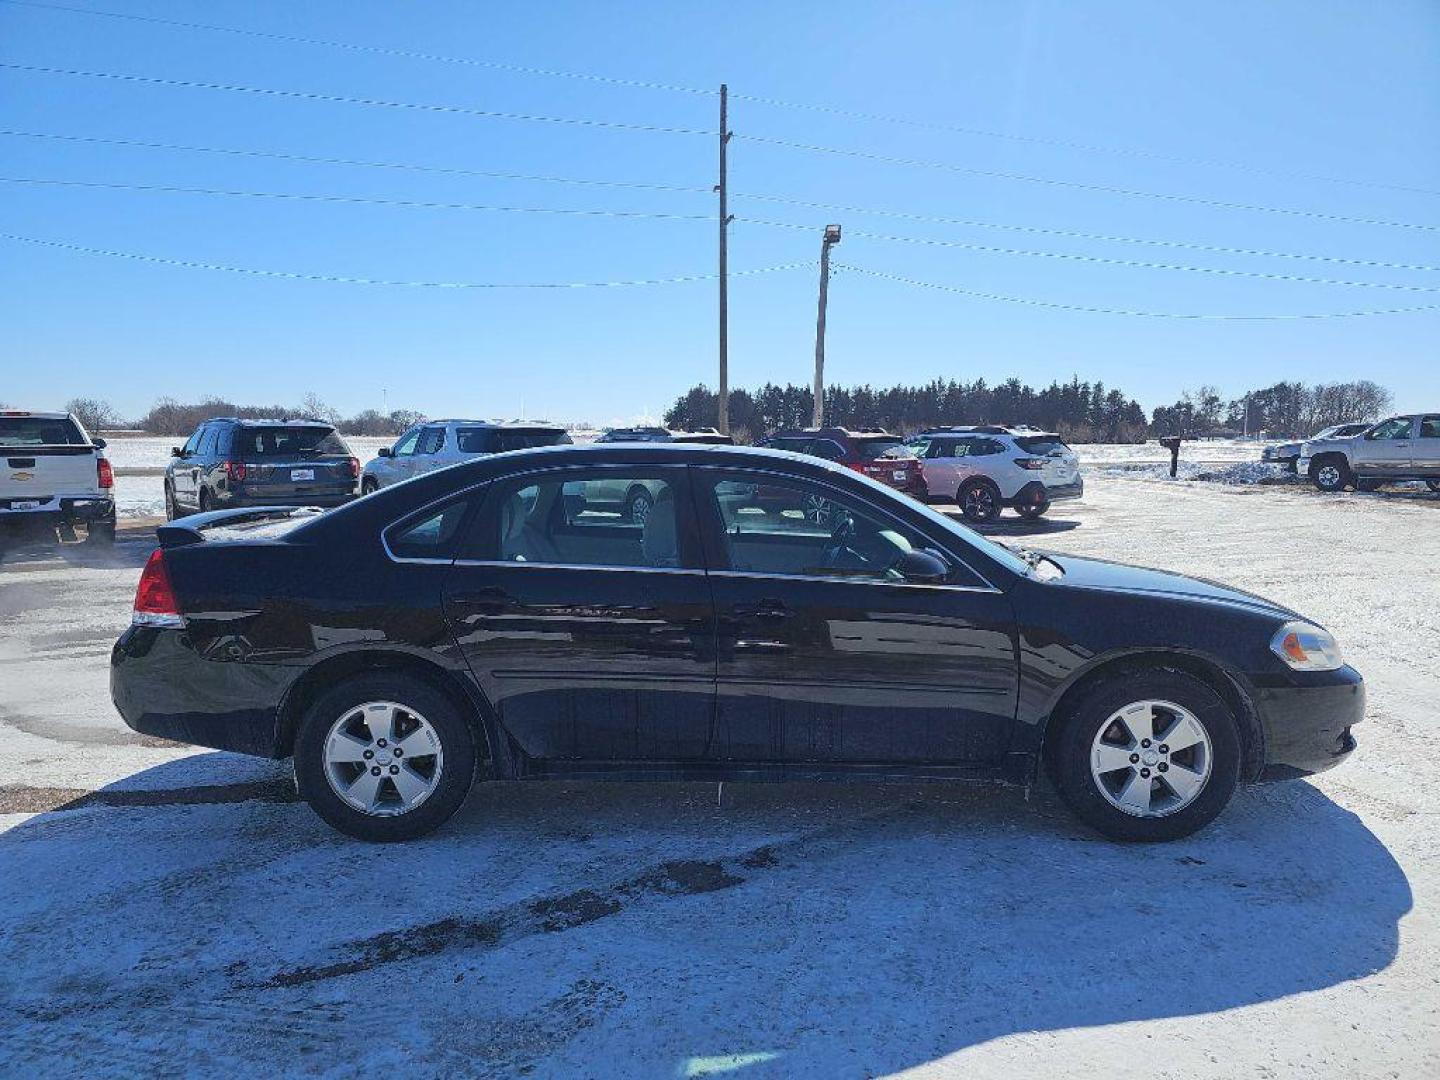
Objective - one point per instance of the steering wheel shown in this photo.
(841, 533)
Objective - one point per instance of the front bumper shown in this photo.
(162, 687)
(1307, 720)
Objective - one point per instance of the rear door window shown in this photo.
(478, 440)
(207, 442)
(1430, 427)
(36, 431)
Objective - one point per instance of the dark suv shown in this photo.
(873, 452)
(230, 462)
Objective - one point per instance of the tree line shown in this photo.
(170, 417)
(1286, 409)
(1081, 411)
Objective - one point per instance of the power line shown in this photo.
(1029, 302)
(1038, 230)
(337, 99)
(825, 109)
(309, 159)
(1129, 263)
(1076, 184)
(1073, 234)
(378, 50)
(359, 199)
(189, 264)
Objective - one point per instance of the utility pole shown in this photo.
(832, 237)
(724, 402)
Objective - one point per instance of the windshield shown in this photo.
(871, 449)
(37, 431)
(478, 440)
(288, 441)
(1041, 445)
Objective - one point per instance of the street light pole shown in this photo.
(832, 237)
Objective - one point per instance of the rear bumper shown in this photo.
(243, 499)
(74, 509)
(1037, 492)
(1307, 721)
(162, 687)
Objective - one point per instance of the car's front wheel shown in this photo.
(369, 486)
(1148, 755)
(979, 501)
(1331, 474)
(384, 756)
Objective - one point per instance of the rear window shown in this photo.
(1041, 445)
(284, 441)
(871, 449)
(35, 431)
(478, 440)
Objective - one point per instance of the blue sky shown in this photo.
(1289, 91)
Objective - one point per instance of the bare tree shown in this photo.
(94, 415)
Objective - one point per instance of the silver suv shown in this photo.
(436, 444)
(1400, 448)
(989, 468)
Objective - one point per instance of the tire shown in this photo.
(1092, 733)
(369, 486)
(979, 500)
(1331, 474)
(204, 504)
(100, 533)
(1032, 511)
(638, 505)
(338, 718)
(172, 510)
(1433, 485)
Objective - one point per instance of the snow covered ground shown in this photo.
(167, 910)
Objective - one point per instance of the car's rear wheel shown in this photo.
(384, 756)
(1331, 474)
(979, 500)
(172, 511)
(204, 501)
(1148, 755)
(1033, 511)
(369, 486)
(638, 505)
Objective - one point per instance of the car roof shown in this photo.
(546, 425)
(994, 429)
(36, 415)
(254, 422)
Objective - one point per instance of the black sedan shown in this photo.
(773, 617)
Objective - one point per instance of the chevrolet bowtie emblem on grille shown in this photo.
(22, 476)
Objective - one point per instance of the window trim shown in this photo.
(712, 533)
(416, 514)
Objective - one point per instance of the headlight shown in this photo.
(1306, 647)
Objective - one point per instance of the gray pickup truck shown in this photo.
(1399, 448)
(54, 476)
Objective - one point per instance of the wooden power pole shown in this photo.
(832, 237)
(724, 402)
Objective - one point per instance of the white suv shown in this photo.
(986, 469)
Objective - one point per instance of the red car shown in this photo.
(874, 452)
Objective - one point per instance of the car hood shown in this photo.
(1138, 580)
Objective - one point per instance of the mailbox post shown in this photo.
(1172, 443)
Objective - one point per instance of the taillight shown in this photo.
(235, 471)
(104, 473)
(155, 602)
(1032, 463)
(354, 468)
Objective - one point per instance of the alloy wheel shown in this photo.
(978, 502)
(1151, 758)
(1328, 476)
(383, 758)
(817, 509)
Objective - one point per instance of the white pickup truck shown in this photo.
(54, 476)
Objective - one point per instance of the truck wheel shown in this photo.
(384, 756)
(1147, 755)
(100, 532)
(979, 501)
(1433, 485)
(1331, 474)
(369, 486)
(172, 511)
(204, 501)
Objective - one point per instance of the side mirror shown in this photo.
(175, 451)
(385, 451)
(923, 568)
(99, 444)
